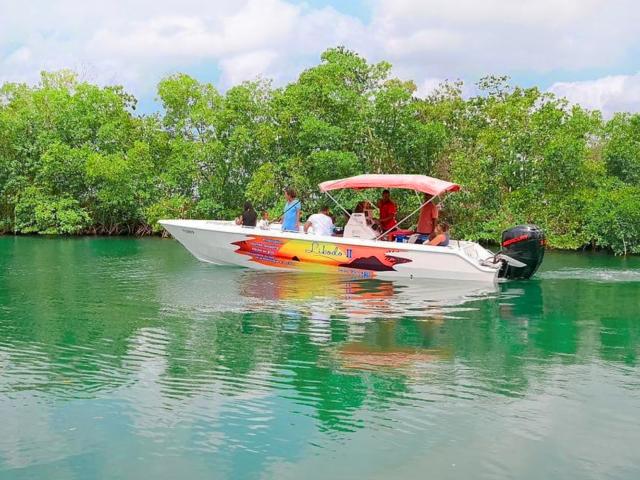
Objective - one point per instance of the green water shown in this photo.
(124, 358)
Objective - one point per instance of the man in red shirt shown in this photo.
(388, 211)
(428, 216)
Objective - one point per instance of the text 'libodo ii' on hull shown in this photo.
(360, 250)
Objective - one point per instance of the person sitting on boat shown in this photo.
(291, 215)
(441, 238)
(428, 218)
(248, 217)
(365, 207)
(388, 210)
(321, 222)
(263, 223)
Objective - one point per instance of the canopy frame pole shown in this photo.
(408, 216)
(338, 204)
(374, 205)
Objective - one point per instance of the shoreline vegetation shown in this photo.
(76, 159)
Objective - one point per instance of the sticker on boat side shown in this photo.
(318, 255)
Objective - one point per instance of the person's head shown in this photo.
(248, 206)
(386, 195)
(265, 215)
(290, 193)
(324, 209)
(442, 228)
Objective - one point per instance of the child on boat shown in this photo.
(263, 223)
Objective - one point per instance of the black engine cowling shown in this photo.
(525, 244)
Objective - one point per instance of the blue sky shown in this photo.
(586, 50)
(357, 8)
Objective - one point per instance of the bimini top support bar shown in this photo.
(338, 204)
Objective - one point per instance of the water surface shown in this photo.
(125, 358)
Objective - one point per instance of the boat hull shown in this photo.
(224, 243)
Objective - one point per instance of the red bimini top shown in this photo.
(421, 183)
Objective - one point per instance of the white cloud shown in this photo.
(428, 86)
(246, 66)
(431, 39)
(609, 94)
(20, 56)
(137, 42)
(479, 37)
(194, 37)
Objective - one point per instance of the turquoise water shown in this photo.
(126, 358)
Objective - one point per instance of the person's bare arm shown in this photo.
(436, 240)
(306, 226)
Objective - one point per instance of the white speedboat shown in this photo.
(361, 251)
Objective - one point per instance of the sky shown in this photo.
(585, 50)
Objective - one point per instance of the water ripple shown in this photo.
(602, 275)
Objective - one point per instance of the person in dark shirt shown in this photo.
(249, 216)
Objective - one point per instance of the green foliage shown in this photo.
(37, 212)
(173, 207)
(74, 158)
(264, 186)
(614, 219)
(622, 149)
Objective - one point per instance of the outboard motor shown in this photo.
(522, 251)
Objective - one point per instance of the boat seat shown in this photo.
(357, 227)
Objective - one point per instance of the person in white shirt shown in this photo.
(321, 222)
(263, 223)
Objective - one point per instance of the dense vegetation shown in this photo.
(75, 158)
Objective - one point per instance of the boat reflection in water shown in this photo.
(314, 303)
(321, 296)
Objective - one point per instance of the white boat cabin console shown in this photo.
(357, 227)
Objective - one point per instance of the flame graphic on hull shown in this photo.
(318, 256)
